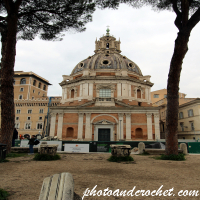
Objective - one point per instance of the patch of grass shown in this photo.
(179, 157)
(46, 157)
(3, 194)
(120, 159)
(5, 160)
(145, 153)
(15, 155)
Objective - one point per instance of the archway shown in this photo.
(138, 133)
(70, 132)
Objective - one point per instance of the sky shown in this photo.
(147, 38)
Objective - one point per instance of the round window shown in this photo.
(130, 65)
(105, 62)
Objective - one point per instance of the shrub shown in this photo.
(3, 194)
(45, 157)
(178, 157)
(119, 159)
(5, 160)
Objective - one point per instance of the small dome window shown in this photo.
(105, 62)
(81, 65)
(130, 65)
(124, 57)
(89, 57)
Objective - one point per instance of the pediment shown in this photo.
(88, 104)
(104, 122)
(121, 104)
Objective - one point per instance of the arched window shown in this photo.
(138, 133)
(39, 85)
(44, 87)
(107, 46)
(23, 81)
(34, 82)
(139, 94)
(72, 93)
(70, 132)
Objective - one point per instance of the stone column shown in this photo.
(81, 90)
(60, 125)
(80, 126)
(53, 124)
(65, 93)
(129, 90)
(128, 126)
(122, 122)
(119, 90)
(149, 126)
(157, 127)
(88, 135)
(146, 94)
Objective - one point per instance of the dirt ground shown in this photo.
(23, 177)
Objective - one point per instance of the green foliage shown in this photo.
(46, 157)
(3, 194)
(145, 153)
(5, 160)
(120, 159)
(179, 157)
(15, 155)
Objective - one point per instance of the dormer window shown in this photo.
(107, 46)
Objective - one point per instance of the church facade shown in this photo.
(105, 98)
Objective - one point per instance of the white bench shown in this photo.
(58, 187)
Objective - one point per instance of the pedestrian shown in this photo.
(31, 143)
(15, 136)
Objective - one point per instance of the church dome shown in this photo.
(107, 56)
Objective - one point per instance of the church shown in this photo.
(105, 98)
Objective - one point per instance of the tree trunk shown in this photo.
(180, 50)
(7, 72)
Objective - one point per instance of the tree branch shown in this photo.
(194, 19)
(185, 11)
(18, 3)
(178, 19)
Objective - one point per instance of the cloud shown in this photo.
(147, 38)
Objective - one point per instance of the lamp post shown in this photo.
(120, 128)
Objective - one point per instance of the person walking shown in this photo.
(31, 143)
(15, 136)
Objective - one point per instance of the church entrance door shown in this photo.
(103, 134)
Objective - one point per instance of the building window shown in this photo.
(18, 111)
(23, 81)
(20, 96)
(192, 126)
(181, 115)
(17, 125)
(156, 96)
(190, 113)
(165, 95)
(139, 94)
(21, 89)
(28, 118)
(32, 97)
(44, 87)
(41, 110)
(39, 85)
(72, 93)
(34, 82)
(38, 93)
(40, 118)
(105, 93)
(33, 91)
(28, 126)
(39, 126)
(17, 118)
(13, 81)
(29, 111)
(182, 126)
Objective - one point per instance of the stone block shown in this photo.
(58, 187)
(183, 147)
(120, 150)
(141, 147)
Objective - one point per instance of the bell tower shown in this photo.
(107, 44)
